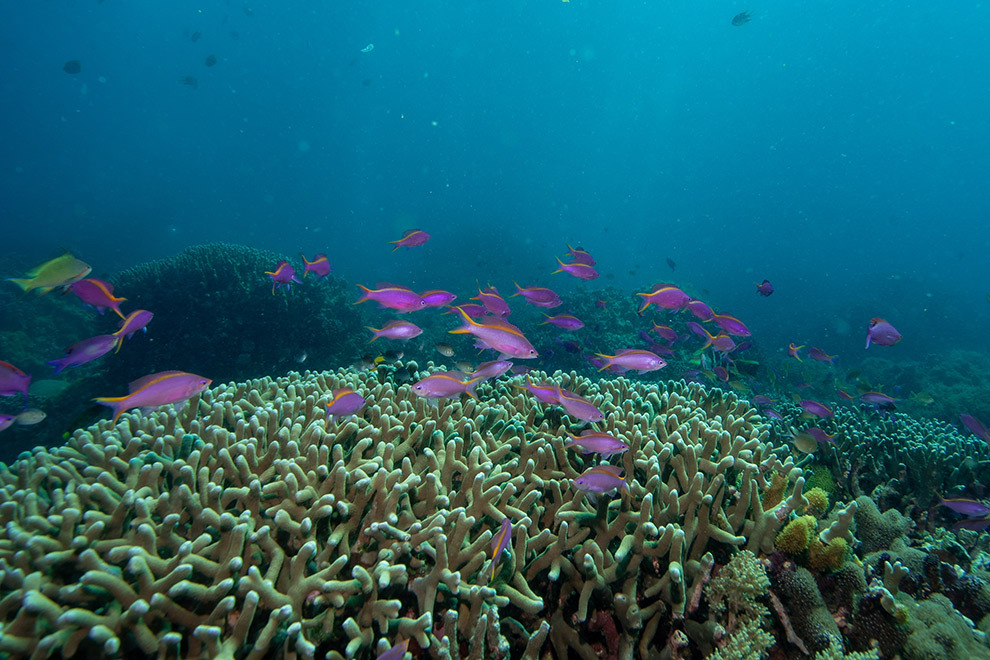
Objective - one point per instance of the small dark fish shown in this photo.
(445, 349)
(190, 81)
(194, 37)
(742, 18)
(765, 288)
(671, 263)
(211, 59)
(72, 67)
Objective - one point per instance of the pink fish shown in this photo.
(155, 390)
(493, 302)
(133, 322)
(411, 238)
(438, 298)
(881, 333)
(499, 335)
(765, 288)
(701, 311)
(500, 544)
(13, 380)
(284, 275)
(396, 330)
(664, 296)
(595, 442)
(633, 358)
(345, 402)
(492, 369)
(792, 351)
(564, 322)
(819, 355)
(878, 399)
(85, 351)
(98, 294)
(666, 332)
(967, 507)
(578, 270)
(473, 310)
(319, 266)
(820, 436)
(580, 256)
(578, 407)
(720, 342)
(601, 479)
(721, 373)
(845, 395)
(815, 408)
(398, 298)
(544, 392)
(7, 421)
(397, 652)
(538, 296)
(732, 325)
(442, 385)
(970, 422)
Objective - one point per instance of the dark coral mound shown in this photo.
(215, 315)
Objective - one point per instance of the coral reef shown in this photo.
(243, 525)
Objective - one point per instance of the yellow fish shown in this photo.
(60, 271)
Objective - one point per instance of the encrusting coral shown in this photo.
(243, 525)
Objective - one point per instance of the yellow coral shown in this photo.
(829, 557)
(796, 536)
(817, 502)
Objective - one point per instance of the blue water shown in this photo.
(840, 151)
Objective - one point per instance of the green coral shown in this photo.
(835, 652)
(738, 587)
(748, 642)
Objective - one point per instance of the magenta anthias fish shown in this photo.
(580, 256)
(398, 298)
(881, 333)
(397, 652)
(819, 355)
(133, 322)
(539, 296)
(544, 392)
(633, 358)
(664, 296)
(396, 330)
(498, 334)
(578, 407)
(442, 385)
(594, 442)
(878, 398)
(578, 270)
(438, 297)
(98, 294)
(564, 322)
(319, 266)
(493, 302)
(732, 325)
(345, 402)
(6, 421)
(500, 545)
(966, 506)
(666, 332)
(492, 369)
(601, 479)
(970, 422)
(156, 390)
(411, 238)
(13, 380)
(283, 275)
(85, 351)
(792, 351)
(815, 408)
(764, 288)
(701, 311)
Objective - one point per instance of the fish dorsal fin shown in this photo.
(144, 381)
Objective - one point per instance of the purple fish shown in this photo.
(761, 400)
(498, 334)
(564, 322)
(815, 408)
(701, 311)
(494, 303)
(970, 422)
(13, 380)
(966, 506)
(666, 332)
(975, 524)
(544, 392)
(438, 298)
(660, 349)
(396, 330)
(398, 298)
(345, 402)
(578, 407)
(633, 358)
(601, 479)
(772, 414)
(578, 270)
(538, 296)
(397, 652)
(878, 398)
(500, 544)
(473, 310)
(135, 321)
(489, 370)
(580, 256)
(7, 421)
(820, 436)
(881, 333)
(721, 373)
(765, 288)
(818, 354)
(732, 325)
(284, 275)
(319, 266)
(85, 351)
(155, 390)
(720, 342)
(411, 238)
(98, 294)
(664, 296)
(594, 442)
(442, 385)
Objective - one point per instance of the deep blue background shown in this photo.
(839, 150)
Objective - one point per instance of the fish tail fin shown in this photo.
(115, 403)
(470, 386)
(119, 313)
(467, 321)
(374, 330)
(23, 282)
(364, 295)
